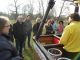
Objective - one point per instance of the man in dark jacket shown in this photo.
(28, 29)
(19, 34)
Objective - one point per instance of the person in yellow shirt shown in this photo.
(70, 38)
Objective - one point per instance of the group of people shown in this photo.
(18, 31)
(21, 30)
(70, 36)
(52, 27)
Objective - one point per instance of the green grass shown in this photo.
(12, 21)
(28, 52)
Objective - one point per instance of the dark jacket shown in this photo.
(35, 28)
(19, 29)
(49, 29)
(28, 26)
(7, 51)
(11, 33)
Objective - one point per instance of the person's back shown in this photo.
(73, 33)
(70, 38)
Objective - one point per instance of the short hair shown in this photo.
(3, 21)
(38, 20)
(75, 17)
(61, 22)
(19, 17)
(28, 15)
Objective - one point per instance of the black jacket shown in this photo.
(35, 28)
(7, 51)
(49, 29)
(19, 29)
(11, 33)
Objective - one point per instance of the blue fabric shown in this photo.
(54, 26)
(7, 51)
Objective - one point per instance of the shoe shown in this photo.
(22, 56)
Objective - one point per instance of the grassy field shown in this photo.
(28, 53)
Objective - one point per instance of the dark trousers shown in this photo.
(70, 55)
(20, 44)
(29, 36)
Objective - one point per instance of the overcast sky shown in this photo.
(5, 5)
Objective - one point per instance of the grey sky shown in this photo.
(5, 5)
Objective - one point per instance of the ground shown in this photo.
(28, 52)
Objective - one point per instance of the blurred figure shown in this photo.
(28, 29)
(70, 38)
(11, 33)
(36, 26)
(60, 28)
(19, 34)
(54, 26)
(48, 26)
(7, 50)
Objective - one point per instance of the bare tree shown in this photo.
(16, 6)
(53, 12)
(24, 10)
(30, 8)
(39, 10)
(41, 6)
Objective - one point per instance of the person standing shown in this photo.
(36, 26)
(48, 26)
(60, 28)
(7, 50)
(19, 34)
(28, 29)
(70, 38)
(54, 26)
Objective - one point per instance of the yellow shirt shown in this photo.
(71, 37)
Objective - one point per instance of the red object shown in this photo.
(55, 40)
